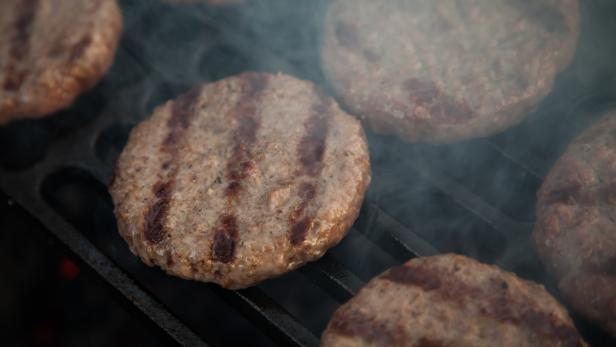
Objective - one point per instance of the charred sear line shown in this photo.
(239, 165)
(496, 303)
(182, 113)
(20, 43)
(299, 223)
(154, 229)
(310, 151)
(428, 342)
(346, 35)
(440, 106)
(78, 50)
(225, 239)
(576, 194)
(548, 17)
(311, 148)
(350, 322)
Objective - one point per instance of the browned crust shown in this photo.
(223, 247)
(574, 233)
(36, 87)
(450, 300)
(433, 81)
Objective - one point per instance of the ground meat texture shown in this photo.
(575, 232)
(451, 301)
(241, 180)
(443, 71)
(51, 51)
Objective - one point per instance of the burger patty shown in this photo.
(241, 180)
(442, 71)
(52, 50)
(575, 232)
(451, 300)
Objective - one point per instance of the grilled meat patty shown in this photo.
(451, 300)
(447, 70)
(575, 232)
(52, 50)
(241, 180)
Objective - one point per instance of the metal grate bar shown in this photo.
(83, 248)
(333, 277)
(276, 321)
(467, 199)
(392, 236)
(270, 316)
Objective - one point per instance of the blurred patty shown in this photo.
(241, 180)
(51, 51)
(442, 71)
(575, 233)
(451, 300)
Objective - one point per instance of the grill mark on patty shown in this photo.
(225, 239)
(441, 107)
(607, 267)
(20, 44)
(154, 230)
(541, 14)
(240, 164)
(353, 323)
(497, 304)
(346, 34)
(575, 194)
(310, 151)
(182, 113)
(428, 342)
(299, 227)
(311, 147)
(79, 48)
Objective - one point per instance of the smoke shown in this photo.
(474, 197)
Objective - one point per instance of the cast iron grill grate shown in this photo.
(475, 198)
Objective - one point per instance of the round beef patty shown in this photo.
(451, 300)
(575, 233)
(240, 180)
(52, 50)
(447, 70)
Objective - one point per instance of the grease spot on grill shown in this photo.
(225, 236)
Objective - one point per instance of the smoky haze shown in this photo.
(475, 197)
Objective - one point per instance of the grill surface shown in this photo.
(475, 198)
